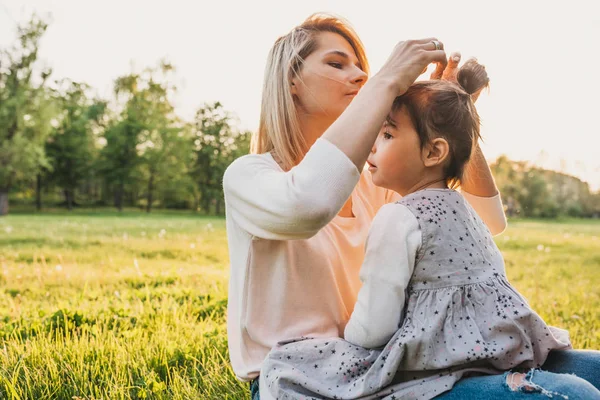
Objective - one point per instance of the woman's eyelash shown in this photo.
(386, 134)
(336, 65)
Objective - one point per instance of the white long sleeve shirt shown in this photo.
(294, 262)
(391, 250)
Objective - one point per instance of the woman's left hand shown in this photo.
(449, 71)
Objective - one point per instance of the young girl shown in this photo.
(435, 305)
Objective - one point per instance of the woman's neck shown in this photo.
(312, 128)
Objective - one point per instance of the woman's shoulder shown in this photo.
(248, 166)
(264, 160)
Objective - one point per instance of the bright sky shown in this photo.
(542, 59)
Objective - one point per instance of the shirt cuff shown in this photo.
(490, 209)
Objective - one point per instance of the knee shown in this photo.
(551, 385)
(517, 381)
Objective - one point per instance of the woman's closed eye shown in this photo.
(335, 65)
(386, 135)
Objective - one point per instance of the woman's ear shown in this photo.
(435, 152)
(293, 87)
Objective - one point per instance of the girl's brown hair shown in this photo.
(445, 109)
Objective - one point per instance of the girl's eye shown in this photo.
(386, 135)
(336, 65)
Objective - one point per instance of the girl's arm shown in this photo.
(390, 253)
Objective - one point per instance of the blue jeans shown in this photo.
(254, 395)
(554, 380)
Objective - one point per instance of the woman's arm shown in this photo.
(480, 190)
(271, 204)
(392, 245)
(478, 184)
(355, 131)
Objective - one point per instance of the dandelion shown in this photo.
(58, 267)
(117, 294)
(506, 238)
(162, 233)
(143, 233)
(209, 227)
(547, 250)
(125, 237)
(8, 229)
(192, 245)
(540, 247)
(137, 266)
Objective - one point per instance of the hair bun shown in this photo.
(472, 76)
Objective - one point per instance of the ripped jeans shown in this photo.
(572, 374)
(567, 374)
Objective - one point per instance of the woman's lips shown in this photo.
(371, 166)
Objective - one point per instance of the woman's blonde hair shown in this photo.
(279, 128)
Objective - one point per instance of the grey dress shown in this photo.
(461, 317)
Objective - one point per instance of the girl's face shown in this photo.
(396, 161)
(329, 78)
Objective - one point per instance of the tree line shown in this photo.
(132, 150)
(60, 144)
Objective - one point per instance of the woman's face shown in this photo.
(329, 78)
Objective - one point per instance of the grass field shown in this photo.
(106, 306)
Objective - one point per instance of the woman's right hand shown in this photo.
(407, 61)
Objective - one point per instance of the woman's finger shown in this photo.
(439, 70)
(431, 44)
(438, 57)
(451, 70)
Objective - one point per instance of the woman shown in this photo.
(298, 209)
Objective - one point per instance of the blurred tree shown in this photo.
(216, 144)
(71, 148)
(530, 191)
(146, 141)
(26, 109)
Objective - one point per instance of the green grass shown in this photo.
(97, 305)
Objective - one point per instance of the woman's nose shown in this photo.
(361, 77)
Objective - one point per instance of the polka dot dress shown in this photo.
(462, 316)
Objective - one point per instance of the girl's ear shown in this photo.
(435, 152)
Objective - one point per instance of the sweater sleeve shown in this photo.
(490, 210)
(391, 249)
(271, 204)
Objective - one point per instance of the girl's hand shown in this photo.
(407, 61)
